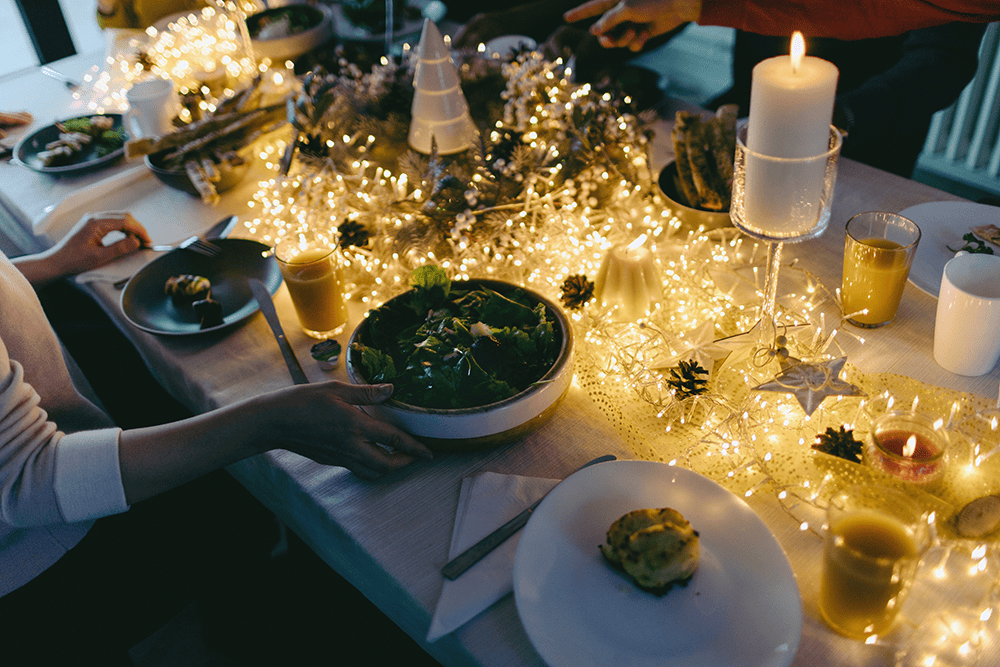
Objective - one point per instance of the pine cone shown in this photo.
(687, 381)
(353, 233)
(840, 444)
(576, 292)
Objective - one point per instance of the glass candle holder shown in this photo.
(907, 446)
(878, 251)
(875, 537)
(783, 199)
(312, 268)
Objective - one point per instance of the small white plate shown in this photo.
(942, 224)
(742, 607)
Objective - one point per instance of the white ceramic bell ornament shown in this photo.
(439, 112)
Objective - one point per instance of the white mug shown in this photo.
(153, 104)
(967, 328)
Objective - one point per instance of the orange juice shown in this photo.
(875, 271)
(314, 283)
(869, 561)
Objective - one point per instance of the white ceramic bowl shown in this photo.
(486, 426)
(290, 47)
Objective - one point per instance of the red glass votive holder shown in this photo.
(907, 446)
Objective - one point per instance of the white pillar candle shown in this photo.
(791, 106)
(628, 278)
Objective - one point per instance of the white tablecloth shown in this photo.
(389, 538)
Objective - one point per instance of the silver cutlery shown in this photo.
(271, 315)
(462, 562)
(58, 76)
(194, 244)
(204, 246)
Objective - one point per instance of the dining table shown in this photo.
(390, 537)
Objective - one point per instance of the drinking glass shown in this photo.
(312, 268)
(875, 537)
(878, 250)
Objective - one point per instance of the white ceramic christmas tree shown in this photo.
(439, 108)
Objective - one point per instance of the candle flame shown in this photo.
(638, 242)
(798, 50)
(910, 446)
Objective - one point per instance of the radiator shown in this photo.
(963, 143)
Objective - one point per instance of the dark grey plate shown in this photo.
(27, 150)
(147, 306)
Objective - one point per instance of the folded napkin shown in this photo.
(122, 267)
(486, 502)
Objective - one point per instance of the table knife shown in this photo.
(462, 562)
(271, 315)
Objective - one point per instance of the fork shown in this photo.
(194, 244)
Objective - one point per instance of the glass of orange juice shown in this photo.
(878, 252)
(875, 537)
(312, 267)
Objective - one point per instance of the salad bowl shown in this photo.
(476, 427)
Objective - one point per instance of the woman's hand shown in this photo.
(83, 249)
(320, 421)
(631, 23)
(326, 426)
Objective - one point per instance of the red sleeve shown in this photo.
(856, 19)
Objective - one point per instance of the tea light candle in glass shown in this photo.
(628, 278)
(907, 446)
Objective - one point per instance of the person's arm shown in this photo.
(859, 19)
(630, 23)
(319, 421)
(83, 249)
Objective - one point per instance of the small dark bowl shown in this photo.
(318, 18)
(178, 179)
(690, 216)
(486, 426)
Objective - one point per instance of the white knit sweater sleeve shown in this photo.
(47, 476)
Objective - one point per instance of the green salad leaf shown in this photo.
(443, 347)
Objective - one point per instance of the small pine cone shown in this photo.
(687, 380)
(353, 233)
(576, 292)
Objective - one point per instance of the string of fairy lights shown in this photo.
(559, 227)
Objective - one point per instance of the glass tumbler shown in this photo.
(878, 251)
(312, 268)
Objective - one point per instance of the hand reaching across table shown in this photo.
(632, 23)
(83, 248)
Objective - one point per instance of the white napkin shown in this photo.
(486, 502)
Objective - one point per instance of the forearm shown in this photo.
(861, 19)
(40, 269)
(159, 458)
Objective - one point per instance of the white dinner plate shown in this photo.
(942, 224)
(742, 607)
